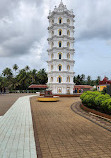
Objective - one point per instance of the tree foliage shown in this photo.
(23, 78)
(83, 80)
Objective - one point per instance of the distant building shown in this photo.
(103, 84)
(37, 87)
(81, 88)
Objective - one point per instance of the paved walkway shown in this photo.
(64, 134)
(16, 131)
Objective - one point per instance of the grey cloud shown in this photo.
(93, 19)
(20, 31)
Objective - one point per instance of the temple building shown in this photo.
(61, 50)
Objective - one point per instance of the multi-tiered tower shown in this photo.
(61, 50)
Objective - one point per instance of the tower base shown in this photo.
(61, 88)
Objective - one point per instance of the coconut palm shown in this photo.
(33, 75)
(7, 72)
(27, 68)
(15, 67)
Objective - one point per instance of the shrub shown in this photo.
(100, 98)
(88, 98)
(97, 100)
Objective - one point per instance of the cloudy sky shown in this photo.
(23, 34)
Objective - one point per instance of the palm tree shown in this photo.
(15, 67)
(27, 68)
(8, 76)
(33, 74)
(7, 72)
(22, 79)
(89, 80)
(42, 76)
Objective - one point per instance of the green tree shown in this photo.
(89, 80)
(42, 76)
(97, 80)
(15, 67)
(33, 75)
(7, 72)
(27, 68)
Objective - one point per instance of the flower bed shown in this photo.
(97, 101)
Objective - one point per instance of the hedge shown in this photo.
(97, 101)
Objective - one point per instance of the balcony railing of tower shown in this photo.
(68, 60)
(63, 24)
(61, 48)
(63, 36)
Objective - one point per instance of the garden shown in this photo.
(97, 101)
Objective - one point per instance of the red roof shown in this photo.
(82, 86)
(105, 81)
(37, 86)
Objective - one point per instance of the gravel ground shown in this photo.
(61, 133)
(7, 100)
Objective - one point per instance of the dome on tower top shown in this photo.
(60, 9)
(61, 6)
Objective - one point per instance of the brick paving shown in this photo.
(103, 122)
(16, 131)
(62, 133)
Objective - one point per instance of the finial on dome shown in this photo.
(61, 3)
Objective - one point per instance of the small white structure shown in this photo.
(61, 50)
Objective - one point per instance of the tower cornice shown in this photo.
(61, 37)
(60, 49)
(58, 60)
(61, 25)
(60, 72)
(61, 13)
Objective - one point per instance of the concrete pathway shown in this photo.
(64, 134)
(16, 131)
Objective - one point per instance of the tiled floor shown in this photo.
(16, 131)
(64, 134)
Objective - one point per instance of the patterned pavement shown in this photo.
(16, 131)
(62, 133)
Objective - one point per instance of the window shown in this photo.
(51, 67)
(68, 67)
(68, 44)
(68, 90)
(60, 20)
(68, 56)
(68, 79)
(59, 79)
(59, 55)
(52, 21)
(68, 32)
(51, 79)
(60, 32)
(68, 21)
(52, 56)
(60, 43)
(59, 67)
(52, 44)
(52, 33)
(59, 90)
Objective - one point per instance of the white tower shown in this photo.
(61, 50)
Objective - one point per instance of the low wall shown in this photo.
(66, 95)
(95, 112)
